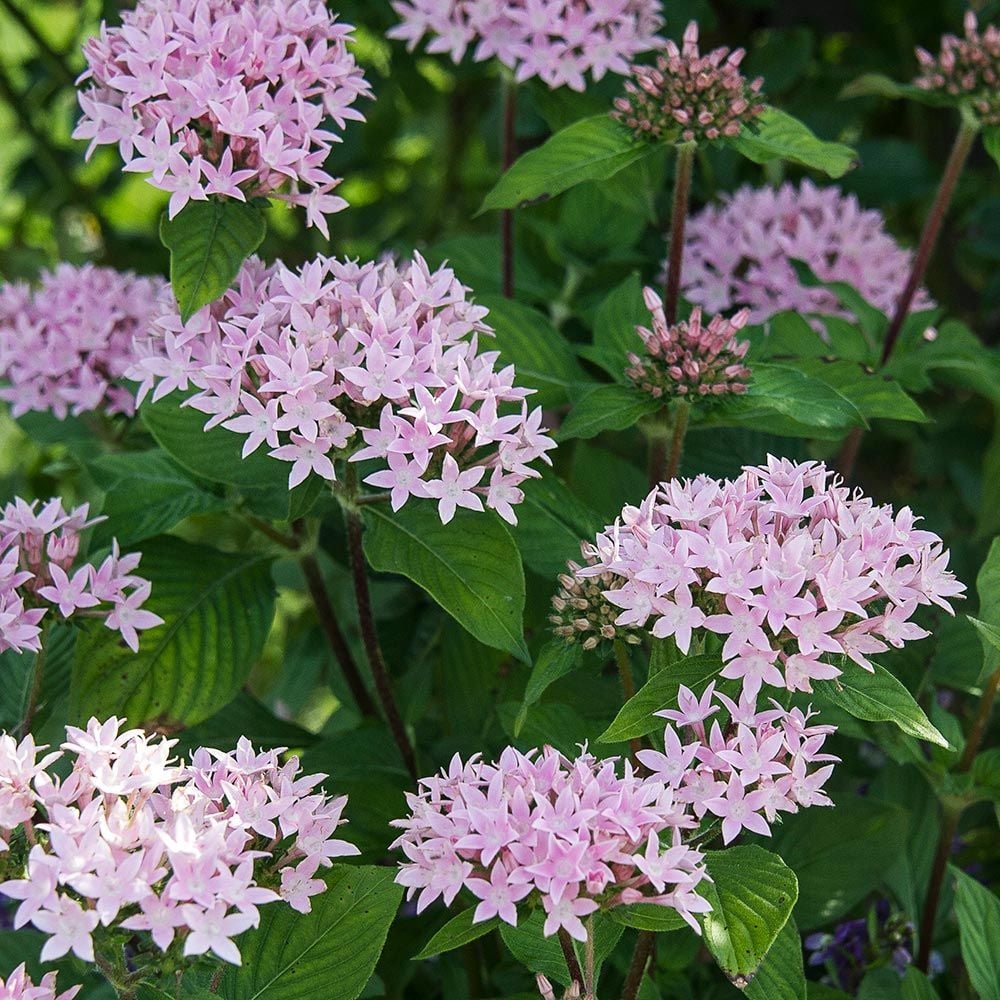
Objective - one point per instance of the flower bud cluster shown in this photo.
(689, 97)
(182, 854)
(340, 360)
(234, 98)
(690, 359)
(789, 570)
(65, 344)
(967, 68)
(38, 553)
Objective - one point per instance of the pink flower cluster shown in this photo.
(559, 41)
(359, 361)
(536, 826)
(689, 96)
(20, 987)
(185, 853)
(65, 344)
(737, 253)
(967, 68)
(38, 551)
(690, 358)
(746, 772)
(226, 98)
(784, 565)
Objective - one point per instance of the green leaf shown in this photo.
(776, 135)
(647, 917)
(781, 975)
(541, 356)
(18, 672)
(208, 242)
(615, 327)
(243, 716)
(875, 395)
(606, 408)
(556, 659)
(458, 931)
(880, 85)
(990, 634)
(916, 986)
(752, 893)
(988, 589)
(217, 610)
(592, 149)
(146, 494)
(978, 912)
(636, 717)
(780, 399)
(471, 567)
(213, 455)
(879, 697)
(330, 952)
(840, 863)
(551, 522)
(871, 320)
(991, 142)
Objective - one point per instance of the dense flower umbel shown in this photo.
(966, 68)
(737, 252)
(689, 97)
(38, 552)
(690, 359)
(785, 565)
(65, 344)
(182, 854)
(534, 827)
(19, 986)
(559, 41)
(580, 611)
(220, 97)
(360, 361)
(760, 763)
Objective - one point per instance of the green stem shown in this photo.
(35, 694)
(678, 221)
(509, 156)
(682, 417)
(637, 968)
(624, 662)
(950, 825)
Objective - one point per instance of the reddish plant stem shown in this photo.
(681, 417)
(950, 824)
(369, 635)
(566, 943)
(960, 150)
(678, 222)
(507, 217)
(640, 959)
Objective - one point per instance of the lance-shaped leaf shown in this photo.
(607, 408)
(460, 930)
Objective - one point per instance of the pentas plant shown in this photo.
(558, 42)
(788, 568)
(690, 358)
(738, 253)
(174, 858)
(340, 360)
(19, 986)
(745, 772)
(967, 69)
(225, 98)
(66, 342)
(39, 547)
(537, 828)
(690, 96)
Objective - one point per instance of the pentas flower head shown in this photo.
(737, 253)
(39, 572)
(340, 360)
(967, 68)
(539, 829)
(182, 854)
(690, 359)
(688, 96)
(789, 571)
(740, 764)
(19, 986)
(580, 611)
(558, 41)
(66, 342)
(234, 98)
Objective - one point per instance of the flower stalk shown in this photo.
(637, 969)
(509, 141)
(678, 222)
